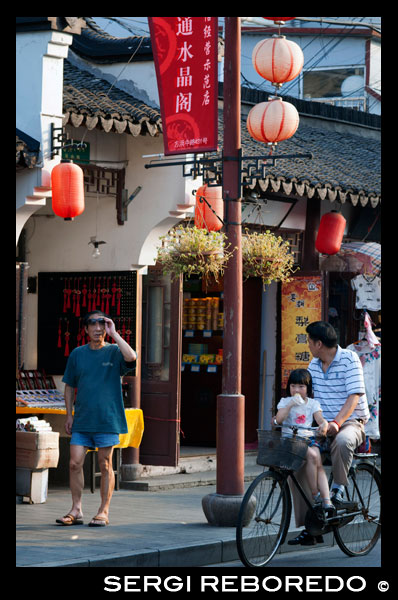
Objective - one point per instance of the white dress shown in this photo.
(301, 415)
(370, 358)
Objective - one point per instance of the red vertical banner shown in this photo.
(185, 51)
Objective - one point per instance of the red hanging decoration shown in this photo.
(67, 335)
(330, 233)
(84, 294)
(78, 292)
(118, 296)
(67, 183)
(98, 299)
(93, 305)
(209, 210)
(114, 288)
(68, 293)
(278, 60)
(272, 122)
(74, 296)
(65, 290)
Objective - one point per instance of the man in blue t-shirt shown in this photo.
(95, 370)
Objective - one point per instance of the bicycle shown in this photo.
(265, 512)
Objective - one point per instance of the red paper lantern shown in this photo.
(330, 233)
(67, 190)
(204, 215)
(273, 121)
(277, 59)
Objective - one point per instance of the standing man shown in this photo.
(95, 370)
(338, 385)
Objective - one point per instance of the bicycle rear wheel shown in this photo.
(357, 534)
(263, 519)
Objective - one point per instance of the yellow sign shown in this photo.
(301, 305)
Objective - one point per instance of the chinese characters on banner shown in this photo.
(185, 52)
(301, 305)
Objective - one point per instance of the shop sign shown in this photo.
(76, 151)
(301, 305)
(185, 52)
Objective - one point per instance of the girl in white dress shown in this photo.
(300, 409)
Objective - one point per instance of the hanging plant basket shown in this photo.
(192, 251)
(267, 256)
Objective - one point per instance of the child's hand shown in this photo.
(323, 428)
(296, 400)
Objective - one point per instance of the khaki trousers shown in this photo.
(350, 436)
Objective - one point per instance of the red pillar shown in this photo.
(230, 404)
(222, 508)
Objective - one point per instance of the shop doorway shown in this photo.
(181, 373)
(160, 368)
(202, 360)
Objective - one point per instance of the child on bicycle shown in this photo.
(299, 409)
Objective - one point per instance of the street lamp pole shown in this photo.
(222, 507)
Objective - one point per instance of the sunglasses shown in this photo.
(94, 321)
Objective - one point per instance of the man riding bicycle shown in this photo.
(338, 385)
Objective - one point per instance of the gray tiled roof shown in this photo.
(90, 101)
(344, 166)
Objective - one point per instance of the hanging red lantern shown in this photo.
(273, 121)
(208, 217)
(277, 59)
(330, 233)
(67, 184)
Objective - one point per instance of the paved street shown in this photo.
(319, 557)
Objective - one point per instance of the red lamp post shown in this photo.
(222, 508)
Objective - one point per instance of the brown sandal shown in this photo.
(72, 520)
(103, 521)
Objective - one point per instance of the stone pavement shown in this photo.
(163, 528)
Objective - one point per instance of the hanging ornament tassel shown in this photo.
(119, 295)
(65, 297)
(67, 335)
(93, 305)
(108, 295)
(74, 296)
(68, 291)
(78, 292)
(59, 344)
(98, 300)
(114, 288)
(84, 294)
(89, 295)
(103, 292)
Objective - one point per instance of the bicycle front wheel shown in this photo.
(358, 533)
(263, 519)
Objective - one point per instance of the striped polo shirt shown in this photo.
(343, 377)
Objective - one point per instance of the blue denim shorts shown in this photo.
(94, 440)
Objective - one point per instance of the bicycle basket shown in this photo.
(283, 452)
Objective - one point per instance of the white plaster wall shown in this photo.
(57, 245)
